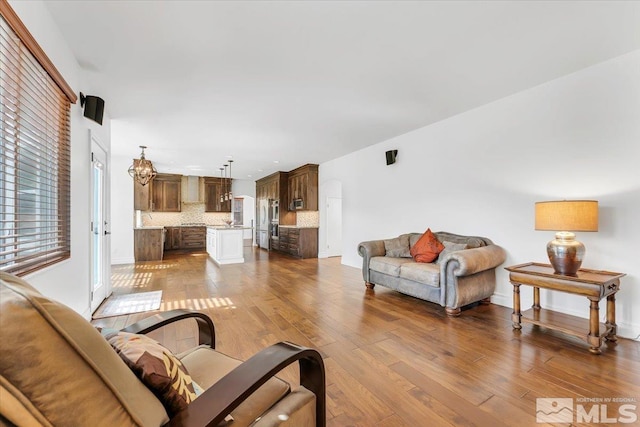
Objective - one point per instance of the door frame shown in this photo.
(104, 229)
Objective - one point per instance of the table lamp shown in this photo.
(566, 216)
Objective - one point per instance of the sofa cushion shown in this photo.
(472, 242)
(157, 367)
(398, 247)
(413, 239)
(388, 265)
(422, 272)
(448, 248)
(426, 248)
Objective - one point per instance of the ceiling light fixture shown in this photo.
(221, 186)
(230, 193)
(224, 183)
(142, 170)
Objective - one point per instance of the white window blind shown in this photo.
(34, 161)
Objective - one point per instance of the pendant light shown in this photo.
(226, 194)
(142, 170)
(230, 181)
(221, 186)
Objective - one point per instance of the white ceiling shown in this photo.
(310, 81)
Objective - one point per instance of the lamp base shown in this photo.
(565, 253)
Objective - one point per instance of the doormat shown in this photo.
(118, 305)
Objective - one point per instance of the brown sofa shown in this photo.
(57, 369)
(463, 273)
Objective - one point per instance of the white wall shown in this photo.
(122, 213)
(326, 188)
(480, 173)
(69, 281)
(244, 187)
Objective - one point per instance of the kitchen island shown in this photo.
(225, 244)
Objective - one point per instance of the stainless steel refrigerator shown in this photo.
(264, 223)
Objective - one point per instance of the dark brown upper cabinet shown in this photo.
(303, 186)
(166, 193)
(213, 189)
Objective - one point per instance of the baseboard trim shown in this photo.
(323, 254)
(502, 299)
(116, 261)
(629, 330)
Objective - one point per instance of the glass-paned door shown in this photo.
(98, 226)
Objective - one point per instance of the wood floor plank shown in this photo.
(509, 414)
(391, 360)
(355, 395)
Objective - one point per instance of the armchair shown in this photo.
(56, 369)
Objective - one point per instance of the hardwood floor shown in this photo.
(391, 360)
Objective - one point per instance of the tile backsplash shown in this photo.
(191, 213)
(307, 218)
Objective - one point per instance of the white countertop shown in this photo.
(149, 227)
(224, 227)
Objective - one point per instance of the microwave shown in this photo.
(297, 204)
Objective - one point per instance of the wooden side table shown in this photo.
(592, 284)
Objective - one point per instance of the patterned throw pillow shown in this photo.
(426, 248)
(157, 368)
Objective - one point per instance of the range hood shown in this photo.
(191, 189)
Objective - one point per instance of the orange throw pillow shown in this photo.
(426, 248)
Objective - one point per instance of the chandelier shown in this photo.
(142, 170)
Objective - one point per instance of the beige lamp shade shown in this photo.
(567, 215)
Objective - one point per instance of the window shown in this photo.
(34, 154)
(237, 210)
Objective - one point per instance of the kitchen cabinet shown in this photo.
(172, 238)
(181, 237)
(213, 189)
(147, 243)
(141, 196)
(269, 186)
(225, 245)
(275, 187)
(193, 237)
(166, 191)
(303, 184)
(299, 242)
(274, 244)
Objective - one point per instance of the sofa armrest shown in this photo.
(470, 261)
(368, 250)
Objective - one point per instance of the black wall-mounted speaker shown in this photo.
(93, 107)
(391, 156)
